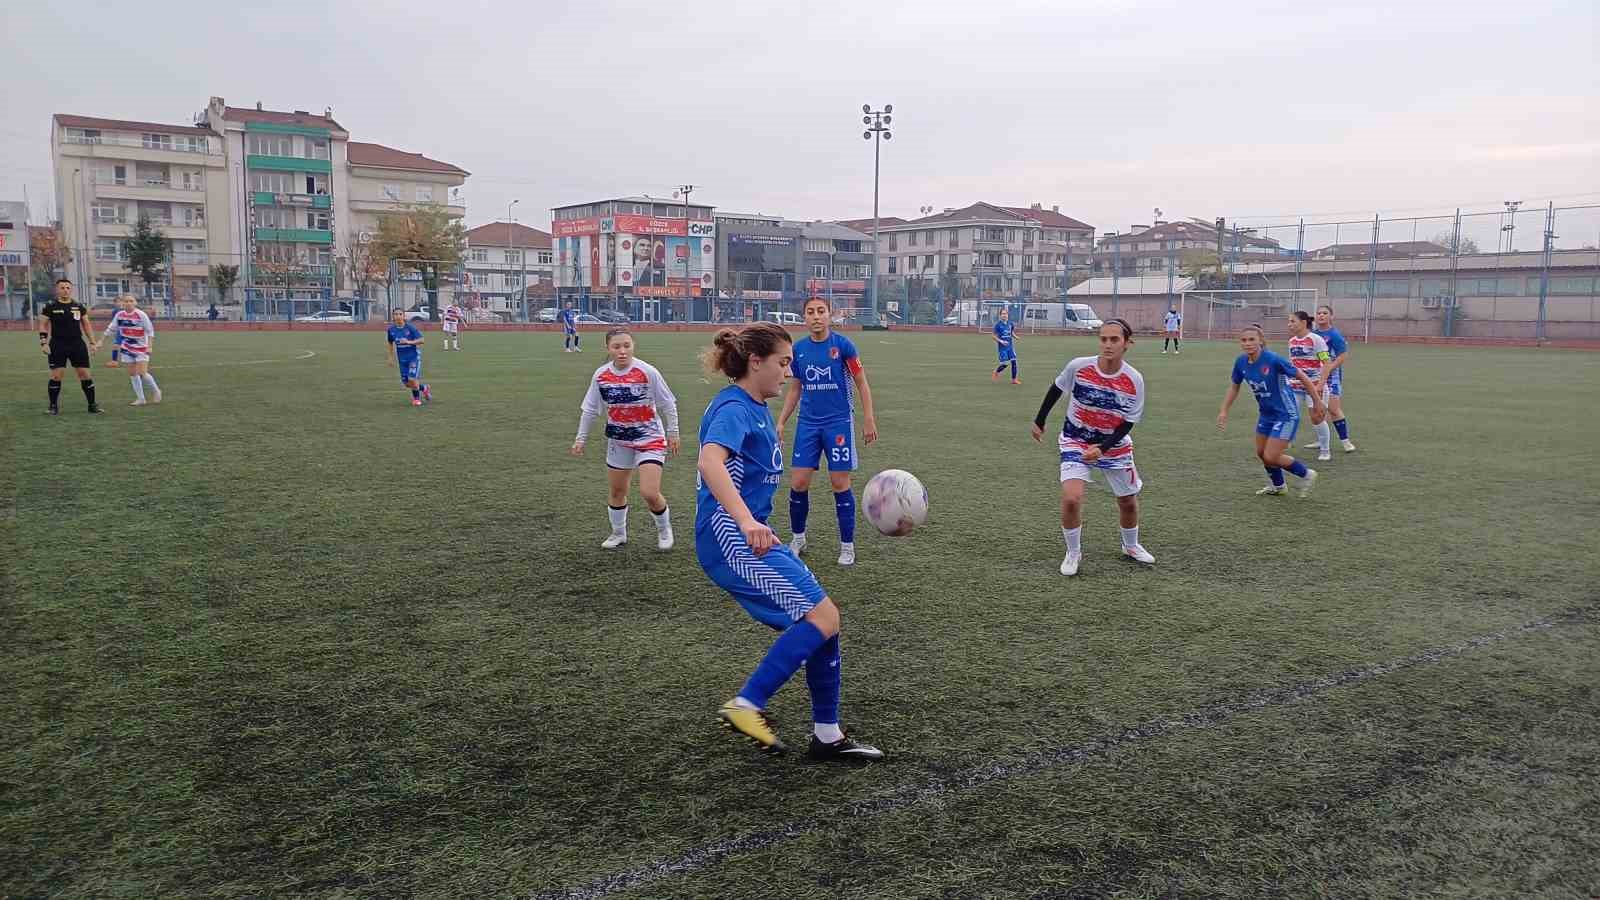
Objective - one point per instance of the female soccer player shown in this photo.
(819, 388)
(1174, 326)
(1339, 349)
(1268, 375)
(635, 400)
(741, 464)
(1107, 399)
(569, 330)
(1309, 353)
(453, 316)
(135, 339)
(407, 343)
(1005, 339)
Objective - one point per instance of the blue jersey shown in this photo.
(406, 332)
(1336, 341)
(1269, 378)
(1003, 330)
(569, 320)
(743, 425)
(824, 369)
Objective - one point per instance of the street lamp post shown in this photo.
(685, 190)
(509, 292)
(877, 122)
(1510, 228)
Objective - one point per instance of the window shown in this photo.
(316, 184)
(894, 243)
(157, 290)
(1564, 286)
(109, 250)
(546, 257)
(424, 193)
(1386, 287)
(105, 212)
(927, 261)
(157, 142)
(322, 255)
(191, 181)
(194, 143)
(271, 145)
(110, 288)
(892, 266)
(820, 271)
(270, 182)
(1488, 287)
(513, 257)
(316, 148)
(955, 238)
(83, 135)
(193, 217)
(391, 192)
(911, 239)
(317, 220)
(480, 256)
(269, 218)
(1157, 264)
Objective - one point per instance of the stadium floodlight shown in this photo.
(880, 130)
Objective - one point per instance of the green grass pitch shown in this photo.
(285, 635)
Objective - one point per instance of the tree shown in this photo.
(365, 265)
(426, 240)
(50, 256)
(1203, 267)
(1447, 240)
(223, 278)
(147, 251)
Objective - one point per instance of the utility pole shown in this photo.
(877, 123)
(509, 292)
(685, 190)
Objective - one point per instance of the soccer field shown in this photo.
(285, 634)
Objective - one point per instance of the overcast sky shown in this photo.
(1108, 109)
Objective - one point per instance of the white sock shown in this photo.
(663, 520)
(1073, 537)
(138, 387)
(619, 519)
(1324, 436)
(827, 732)
(1130, 536)
(742, 703)
(151, 380)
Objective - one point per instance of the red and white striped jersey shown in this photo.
(1308, 354)
(635, 400)
(453, 314)
(133, 329)
(1098, 404)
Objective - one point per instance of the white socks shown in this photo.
(742, 703)
(1130, 536)
(1073, 537)
(828, 733)
(138, 388)
(663, 520)
(1324, 436)
(619, 519)
(151, 381)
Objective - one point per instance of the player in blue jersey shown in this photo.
(825, 379)
(1005, 339)
(406, 342)
(569, 330)
(1339, 349)
(741, 465)
(1268, 375)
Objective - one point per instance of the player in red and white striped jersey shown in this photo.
(1308, 353)
(454, 317)
(135, 336)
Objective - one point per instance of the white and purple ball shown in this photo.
(895, 502)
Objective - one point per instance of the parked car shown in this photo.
(586, 319)
(548, 314)
(327, 315)
(786, 318)
(420, 312)
(612, 316)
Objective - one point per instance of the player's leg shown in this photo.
(803, 462)
(1166, 339)
(841, 448)
(1336, 410)
(619, 471)
(57, 364)
(1074, 475)
(152, 389)
(116, 351)
(577, 342)
(650, 468)
(1319, 423)
(1014, 378)
(1275, 450)
(138, 384)
(1000, 353)
(1177, 338)
(80, 363)
(1126, 486)
(1274, 471)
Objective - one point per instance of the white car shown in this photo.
(419, 313)
(548, 314)
(328, 315)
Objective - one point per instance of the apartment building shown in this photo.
(503, 259)
(1154, 249)
(384, 181)
(985, 249)
(836, 263)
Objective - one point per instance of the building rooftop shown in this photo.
(642, 198)
(381, 157)
(1386, 249)
(865, 225)
(274, 117)
(833, 231)
(494, 234)
(1190, 230)
(67, 120)
(1050, 218)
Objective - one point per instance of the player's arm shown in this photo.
(667, 408)
(713, 466)
(791, 401)
(1227, 403)
(1339, 357)
(392, 353)
(1311, 388)
(149, 331)
(46, 331)
(869, 425)
(88, 332)
(1056, 389)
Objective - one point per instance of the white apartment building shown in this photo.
(503, 258)
(384, 180)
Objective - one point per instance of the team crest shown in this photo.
(833, 352)
(838, 440)
(1266, 370)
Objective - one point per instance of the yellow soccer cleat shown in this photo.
(753, 724)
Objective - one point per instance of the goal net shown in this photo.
(1221, 313)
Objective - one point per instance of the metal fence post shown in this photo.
(1372, 276)
(1544, 271)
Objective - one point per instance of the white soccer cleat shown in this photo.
(797, 543)
(1272, 489)
(1323, 456)
(1349, 446)
(137, 403)
(1307, 483)
(847, 554)
(1311, 446)
(1069, 566)
(1139, 554)
(664, 540)
(157, 397)
(617, 539)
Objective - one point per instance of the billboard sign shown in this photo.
(568, 227)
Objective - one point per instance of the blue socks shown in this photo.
(1298, 470)
(844, 503)
(1344, 430)
(1276, 474)
(822, 677)
(1013, 370)
(799, 508)
(416, 394)
(798, 643)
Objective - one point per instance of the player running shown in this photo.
(826, 378)
(406, 341)
(635, 400)
(1173, 323)
(67, 338)
(453, 317)
(1005, 339)
(1339, 349)
(741, 464)
(1309, 353)
(569, 330)
(1268, 375)
(1106, 401)
(135, 335)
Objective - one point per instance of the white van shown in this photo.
(786, 318)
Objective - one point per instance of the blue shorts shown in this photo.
(1007, 352)
(835, 441)
(410, 369)
(1336, 382)
(1278, 429)
(776, 588)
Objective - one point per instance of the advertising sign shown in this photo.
(565, 227)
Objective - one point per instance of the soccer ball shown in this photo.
(896, 502)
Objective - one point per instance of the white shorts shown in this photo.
(1124, 482)
(129, 356)
(621, 456)
(450, 327)
(1306, 398)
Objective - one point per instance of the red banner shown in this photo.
(649, 225)
(570, 227)
(674, 290)
(820, 285)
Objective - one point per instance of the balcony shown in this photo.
(986, 242)
(306, 201)
(203, 148)
(289, 164)
(295, 235)
(149, 189)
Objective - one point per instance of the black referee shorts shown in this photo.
(75, 354)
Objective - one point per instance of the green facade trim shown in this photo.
(290, 164)
(271, 128)
(300, 235)
(318, 201)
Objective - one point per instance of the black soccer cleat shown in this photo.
(95, 410)
(53, 411)
(843, 750)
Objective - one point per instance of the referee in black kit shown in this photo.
(67, 338)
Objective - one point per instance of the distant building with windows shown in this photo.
(1154, 249)
(505, 262)
(982, 250)
(655, 256)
